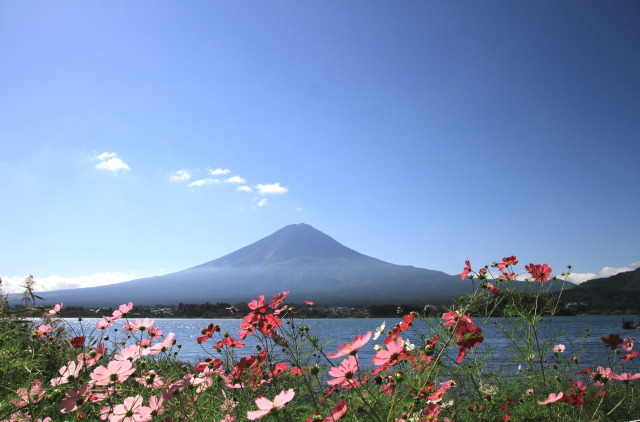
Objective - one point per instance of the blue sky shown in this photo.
(141, 138)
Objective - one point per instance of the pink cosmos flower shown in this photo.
(558, 348)
(626, 377)
(103, 324)
(75, 399)
(131, 353)
(44, 329)
(69, 372)
(278, 299)
(627, 344)
(308, 303)
(539, 272)
(337, 412)
(116, 371)
(357, 342)
(154, 332)
(131, 410)
(393, 353)
(160, 347)
(266, 406)
(344, 375)
(452, 317)
(552, 398)
(506, 261)
(56, 308)
(465, 271)
(34, 395)
(138, 325)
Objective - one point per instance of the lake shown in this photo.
(578, 333)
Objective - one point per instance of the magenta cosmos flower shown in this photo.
(266, 406)
(116, 371)
(357, 342)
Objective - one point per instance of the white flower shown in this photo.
(379, 330)
(408, 345)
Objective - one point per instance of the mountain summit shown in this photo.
(292, 242)
(298, 258)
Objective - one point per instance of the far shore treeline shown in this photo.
(592, 306)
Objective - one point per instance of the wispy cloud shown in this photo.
(244, 188)
(235, 179)
(109, 161)
(218, 172)
(262, 202)
(203, 182)
(56, 282)
(181, 175)
(274, 188)
(578, 278)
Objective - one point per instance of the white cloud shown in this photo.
(181, 176)
(235, 179)
(203, 182)
(55, 282)
(218, 172)
(262, 202)
(274, 188)
(244, 188)
(604, 272)
(110, 162)
(106, 155)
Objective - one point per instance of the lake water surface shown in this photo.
(580, 334)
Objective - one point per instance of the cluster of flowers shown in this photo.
(116, 385)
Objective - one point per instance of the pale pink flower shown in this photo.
(552, 398)
(266, 406)
(154, 332)
(627, 344)
(131, 410)
(626, 377)
(160, 347)
(34, 395)
(131, 353)
(558, 348)
(103, 324)
(357, 342)
(150, 380)
(156, 405)
(116, 371)
(68, 372)
(56, 308)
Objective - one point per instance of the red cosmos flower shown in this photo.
(278, 299)
(357, 342)
(467, 336)
(629, 356)
(539, 272)
(308, 303)
(268, 323)
(338, 411)
(407, 320)
(394, 334)
(207, 333)
(229, 341)
(258, 306)
(208, 364)
(465, 271)
(77, 341)
(452, 317)
(506, 261)
(612, 341)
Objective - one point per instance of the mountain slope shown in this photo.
(297, 258)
